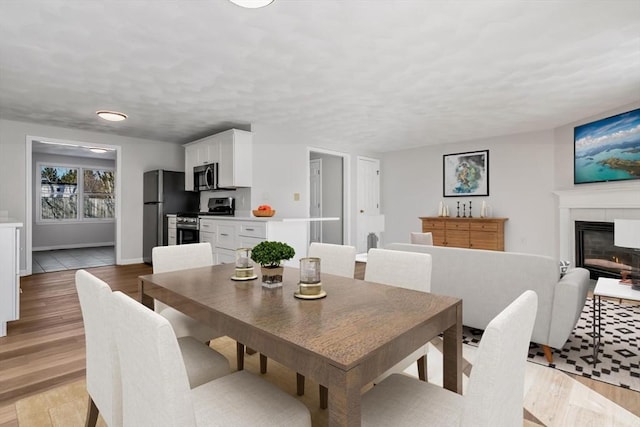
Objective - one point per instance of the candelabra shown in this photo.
(470, 216)
(458, 211)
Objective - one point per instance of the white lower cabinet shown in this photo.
(172, 231)
(225, 256)
(9, 273)
(227, 235)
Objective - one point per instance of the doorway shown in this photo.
(78, 208)
(370, 222)
(328, 196)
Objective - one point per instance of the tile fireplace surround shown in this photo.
(605, 202)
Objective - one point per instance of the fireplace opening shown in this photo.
(596, 252)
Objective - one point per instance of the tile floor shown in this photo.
(72, 259)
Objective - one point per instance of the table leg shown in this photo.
(452, 354)
(597, 329)
(146, 300)
(344, 399)
(239, 356)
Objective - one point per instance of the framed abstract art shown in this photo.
(466, 174)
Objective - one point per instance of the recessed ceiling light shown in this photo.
(252, 4)
(97, 150)
(112, 116)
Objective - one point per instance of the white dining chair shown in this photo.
(494, 395)
(339, 260)
(410, 270)
(421, 238)
(156, 389)
(103, 369)
(181, 257)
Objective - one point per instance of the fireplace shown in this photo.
(596, 252)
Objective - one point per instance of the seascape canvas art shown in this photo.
(608, 149)
(466, 174)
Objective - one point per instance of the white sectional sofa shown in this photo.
(488, 281)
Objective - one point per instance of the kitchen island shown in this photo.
(227, 233)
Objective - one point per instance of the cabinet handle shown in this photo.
(223, 234)
(249, 229)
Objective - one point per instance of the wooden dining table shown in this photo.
(342, 341)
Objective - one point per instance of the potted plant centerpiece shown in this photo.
(270, 256)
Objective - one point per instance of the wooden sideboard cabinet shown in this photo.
(474, 233)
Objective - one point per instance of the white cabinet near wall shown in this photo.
(231, 149)
(236, 159)
(172, 232)
(9, 272)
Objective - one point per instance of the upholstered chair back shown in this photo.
(496, 386)
(155, 386)
(103, 370)
(181, 257)
(411, 270)
(421, 238)
(339, 260)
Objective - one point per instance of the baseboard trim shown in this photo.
(72, 246)
(131, 261)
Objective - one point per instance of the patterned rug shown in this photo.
(619, 352)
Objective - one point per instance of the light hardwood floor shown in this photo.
(45, 348)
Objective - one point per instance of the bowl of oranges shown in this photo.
(264, 210)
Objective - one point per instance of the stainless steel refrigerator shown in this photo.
(163, 194)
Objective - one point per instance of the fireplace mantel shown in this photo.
(601, 203)
(610, 197)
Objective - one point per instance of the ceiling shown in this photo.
(371, 75)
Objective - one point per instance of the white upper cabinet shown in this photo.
(236, 159)
(232, 150)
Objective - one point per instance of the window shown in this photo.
(98, 194)
(65, 197)
(58, 193)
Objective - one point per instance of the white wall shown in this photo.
(520, 188)
(524, 171)
(281, 168)
(138, 156)
(67, 235)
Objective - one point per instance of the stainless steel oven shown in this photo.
(187, 228)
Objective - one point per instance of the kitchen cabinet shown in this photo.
(472, 233)
(228, 234)
(197, 153)
(9, 272)
(236, 159)
(231, 149)
(172, 232)
(190, 161)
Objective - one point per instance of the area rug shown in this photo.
(619, 352)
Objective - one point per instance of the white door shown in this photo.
(315, 198)
(368, 198)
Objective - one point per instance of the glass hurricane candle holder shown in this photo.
(310, 276)
(244, 264)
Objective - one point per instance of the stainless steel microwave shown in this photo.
(205, 177)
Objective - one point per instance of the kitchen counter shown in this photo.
(266, 218)
(10, 223)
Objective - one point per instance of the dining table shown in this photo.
(343, 341)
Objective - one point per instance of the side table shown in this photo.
(609, 288)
